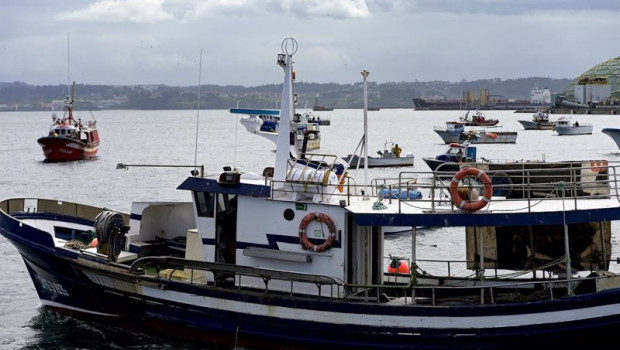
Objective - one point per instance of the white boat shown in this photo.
(265, 122)
(614, 133)
(565, 126)
(388, 158)
(540, 121)
(295, 258)
(455, 132)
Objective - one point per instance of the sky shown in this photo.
(236, 42)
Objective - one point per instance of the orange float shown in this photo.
(398, 266)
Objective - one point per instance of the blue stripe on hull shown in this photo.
(488, 219)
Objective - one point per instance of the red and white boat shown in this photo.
(477, 119)
(70, 139)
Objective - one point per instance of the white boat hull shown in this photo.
(614, 134)
(574, 130)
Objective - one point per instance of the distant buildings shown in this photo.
(598, 85)
(17, 107)
(592, 89)
(540, 96)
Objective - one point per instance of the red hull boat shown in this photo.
(70, 139)
(478, 119)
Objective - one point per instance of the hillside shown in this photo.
(22, 96)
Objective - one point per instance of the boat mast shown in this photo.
(365, 74)
(68, 65)
(287, 109)
(198, 110)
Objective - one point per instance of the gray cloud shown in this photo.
(158, 41)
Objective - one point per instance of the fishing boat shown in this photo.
(565, 126)
(477, 118)
(455, 153)
(455, 132)
(312, 118)
(388, 158)
(320, 108)
(614, 133)
(265, 122)
(68, 138)
(540, 121)
(294, 258)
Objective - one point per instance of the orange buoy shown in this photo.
(397, 265)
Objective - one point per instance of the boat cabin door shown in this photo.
(471, 154)
(226, 228)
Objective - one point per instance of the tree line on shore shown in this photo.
(334, 95)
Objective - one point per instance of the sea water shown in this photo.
(215, 139)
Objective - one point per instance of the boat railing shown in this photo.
(498, 291)
(537, 268)
(494, 285)
(224, 274)
(451, 128)
(416, 289)
(524, 182)
(533, 184)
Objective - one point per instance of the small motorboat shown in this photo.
(565, 126)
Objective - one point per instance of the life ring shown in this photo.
(320, 218)
(487, 192)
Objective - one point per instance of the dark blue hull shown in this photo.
(62, 285)
(92, 288)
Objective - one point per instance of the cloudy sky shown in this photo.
(125, 42)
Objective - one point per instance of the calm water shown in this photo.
(170, 137)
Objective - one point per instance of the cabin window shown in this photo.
(204, 204)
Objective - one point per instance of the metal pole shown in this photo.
(413, 250)
(365, 74)
(566, 245)
(127, 166)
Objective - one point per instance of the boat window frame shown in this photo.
(204, 202)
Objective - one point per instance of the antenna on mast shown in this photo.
(198, 112)
(68, 65)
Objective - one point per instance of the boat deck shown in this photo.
(563, 195)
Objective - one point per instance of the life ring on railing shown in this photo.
(320, 218)
(487, 192)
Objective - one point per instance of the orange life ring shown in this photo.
(320, 218)
(487, 192)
